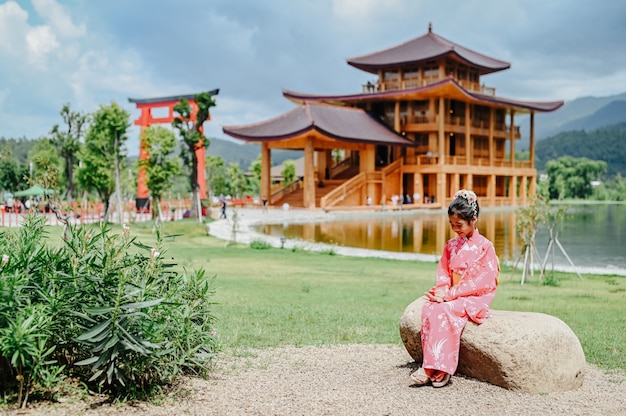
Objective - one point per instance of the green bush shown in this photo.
(101, 307)
(260, 244)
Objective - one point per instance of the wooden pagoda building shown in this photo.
(426, 127)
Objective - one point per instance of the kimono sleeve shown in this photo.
(480, 277)
(444, 273)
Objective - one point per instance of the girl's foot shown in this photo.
(443, 381)
(419, 377)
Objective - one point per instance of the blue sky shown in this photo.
(88, 52)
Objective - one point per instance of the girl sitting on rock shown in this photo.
(466, 284)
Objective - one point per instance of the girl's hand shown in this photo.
(436, 297)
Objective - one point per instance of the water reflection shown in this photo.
(592, 235)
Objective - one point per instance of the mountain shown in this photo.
(606, 143)
(585, 113)
(612, 113)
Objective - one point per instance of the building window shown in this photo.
(410, 73)
(481, 148)
(391, 76)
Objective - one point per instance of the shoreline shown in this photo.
(249, 218)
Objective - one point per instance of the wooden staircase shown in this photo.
(295, 198)
(348, 173)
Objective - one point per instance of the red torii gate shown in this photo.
(145, 120)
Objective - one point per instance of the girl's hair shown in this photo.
(464, 205)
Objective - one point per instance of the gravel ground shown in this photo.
(350, 380)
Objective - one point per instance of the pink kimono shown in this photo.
(475, 260)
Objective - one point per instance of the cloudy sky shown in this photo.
(89, 53)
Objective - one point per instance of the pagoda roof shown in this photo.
(448, 87)
(340, 123)
(424, 48)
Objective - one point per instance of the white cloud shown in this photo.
(41, 42)
(359, 10)
(13, 28)
(59, 20)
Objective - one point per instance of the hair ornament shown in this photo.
(471, 199)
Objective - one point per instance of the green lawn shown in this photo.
(276, 297)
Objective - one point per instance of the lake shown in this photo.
(592, 235)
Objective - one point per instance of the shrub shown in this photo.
(101, 307)
(260, 244)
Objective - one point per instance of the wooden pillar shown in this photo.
(456, 182)
(522, 189)
(266, 180)
(319, 161)
(532, 140)
(532, 187)
(418, 188)
(512, 136)
(440, 195)
(396, 117)
(468, 143)
(491, 190)
(513, 190)
(309, 174)
(441, 145)
(492, 147)
(367, 159)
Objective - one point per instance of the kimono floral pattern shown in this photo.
(442, 323)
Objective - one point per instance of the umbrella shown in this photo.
(34, 190)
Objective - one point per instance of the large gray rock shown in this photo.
(521, 351)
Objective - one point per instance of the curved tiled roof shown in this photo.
(449, 84)
(340, 123)
(424, 48)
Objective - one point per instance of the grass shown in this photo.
(275, 297)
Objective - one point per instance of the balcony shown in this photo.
(394, 85)
(461, 160)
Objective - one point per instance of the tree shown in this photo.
(237, 180)
(289, 171)
(11, 172)
(193, 139)
(217, 175)
(160, 167)
(67, 142)
(255, 168)
(104, 153)
(571, 177)
(44, 157)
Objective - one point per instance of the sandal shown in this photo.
(443, 381)
(419, 377)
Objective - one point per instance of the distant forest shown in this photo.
(606, 143)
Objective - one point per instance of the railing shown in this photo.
(455, 160)
(393, 85)
(93, 212)
(428, 159)
(482, 161)
(284, 191)
(341, 192)
(341, 167)
(516, 129)
(391, 168)
(455, 120)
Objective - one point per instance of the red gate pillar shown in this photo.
(145, 120)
